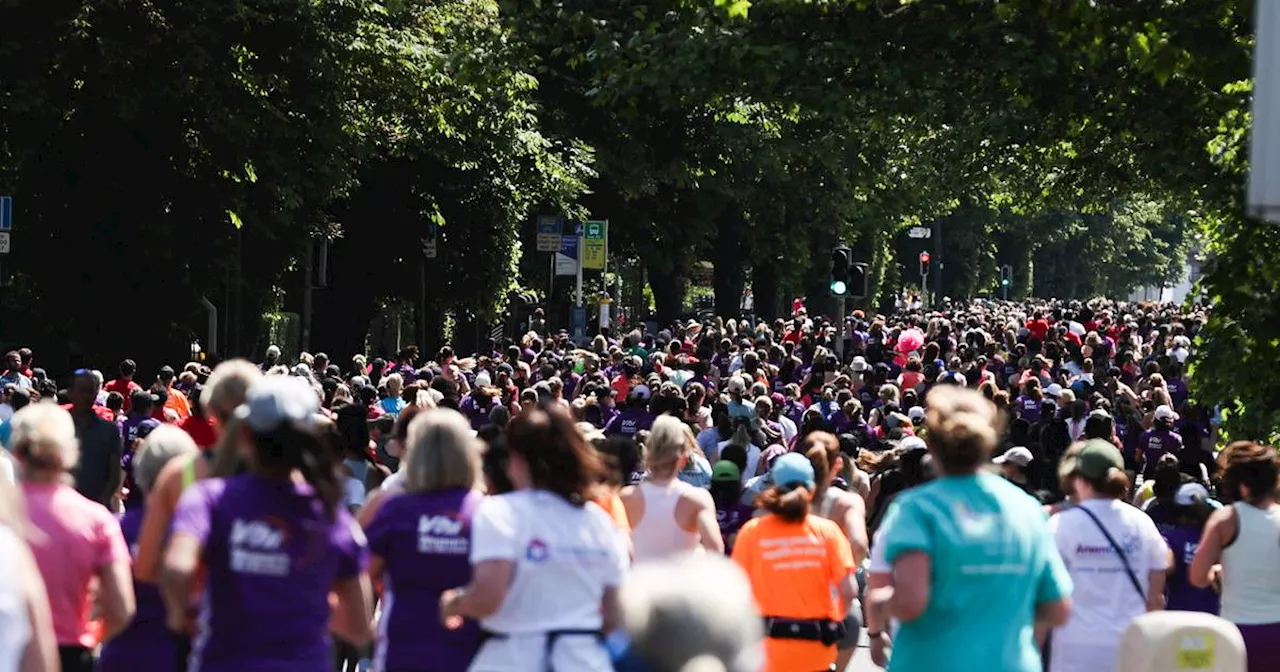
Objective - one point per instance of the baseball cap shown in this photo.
(1053, 390)
(275, 400)
(916, 413)
(1016, 455)
(859, 364)
(1094, 460)
(1163, 412)
(483, 379)
(725, 471)
(1189, 493)
(791, 469)
(640, 392)
(912, 443)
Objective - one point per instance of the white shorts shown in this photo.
(526, 653)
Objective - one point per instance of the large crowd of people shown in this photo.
(983, 485)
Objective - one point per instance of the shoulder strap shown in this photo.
(189, 474)
(1124, 559)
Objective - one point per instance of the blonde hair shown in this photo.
(963, 428)
(669, 440)
(440, 452)
(163, 444)
(227, 386)
(395, 384)
(44, 437)
(424, 399)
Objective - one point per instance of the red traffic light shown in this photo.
(924, 257)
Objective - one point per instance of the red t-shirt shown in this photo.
(125, 387)
(1038, 329)
(200, 429)
(101, 411)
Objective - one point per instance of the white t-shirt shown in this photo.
(393, 483)
(565, 558)
(15, 627)
(1104, 600)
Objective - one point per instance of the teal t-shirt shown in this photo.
(993, 560)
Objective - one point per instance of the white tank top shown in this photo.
(658, 535)
(1251, 568)
(15, 629)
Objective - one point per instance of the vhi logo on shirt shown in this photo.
(256, 547)
(442, 535)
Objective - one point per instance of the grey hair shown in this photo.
(227, 386)
(163, 444)
(693, 613)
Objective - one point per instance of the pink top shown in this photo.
(78, 537)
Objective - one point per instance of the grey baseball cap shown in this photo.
(275, 400)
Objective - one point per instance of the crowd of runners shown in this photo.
(987, 486)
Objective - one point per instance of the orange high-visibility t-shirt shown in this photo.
(794, 568)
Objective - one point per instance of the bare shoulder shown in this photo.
(699, 496)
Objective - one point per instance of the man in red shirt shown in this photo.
(1037, 327)
(124, 384)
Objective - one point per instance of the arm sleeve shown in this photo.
(377, 532)
(349, 542)
(904, 530)
(1054, 582)
(111, 547)
(194, 513)
(493, 531)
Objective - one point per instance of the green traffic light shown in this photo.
(1004, 282)
(838, 287)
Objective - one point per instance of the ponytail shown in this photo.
(791, 505)
(293, 446)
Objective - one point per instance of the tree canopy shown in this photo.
(163, 151)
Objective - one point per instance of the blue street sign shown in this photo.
(549, 224)
(579, 322)
(569, 246)
(6, 213)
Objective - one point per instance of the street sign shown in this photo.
(6, 213)
(919, 232)
(594, 244)
(4, 242)
(567, 257)
(549, 227)
(429, 249)
(579, 322)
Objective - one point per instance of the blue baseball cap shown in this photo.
(791, 469)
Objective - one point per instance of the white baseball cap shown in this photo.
(1016, 455)
(275, 400)
(1163, 412)
(859, 364)
(1053, 390)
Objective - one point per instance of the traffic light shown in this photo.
(1006, 275)
(840, 271)
(857, 282)
(924, 264)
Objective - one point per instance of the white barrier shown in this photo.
(1181, 641)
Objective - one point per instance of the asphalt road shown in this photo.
(862, 659)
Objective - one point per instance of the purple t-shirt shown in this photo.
(271, 555)
(1154, 444)
(630, 422)
(425, 540)
(476, 412)
(146, 645)
(1183, 540)
(1028, 408)
(731, 518)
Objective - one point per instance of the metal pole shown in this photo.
(551, 290)
(580, 240)
(211, 345)
(306, 296)
(840, 327)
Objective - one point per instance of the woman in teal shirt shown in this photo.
(975, 567)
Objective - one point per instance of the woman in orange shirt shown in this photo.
(794, 559)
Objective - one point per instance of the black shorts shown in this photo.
(853, 625)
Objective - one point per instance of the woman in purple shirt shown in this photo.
(146, 645)
(421, 541)
(272, 546)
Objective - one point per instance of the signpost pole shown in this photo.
(578, 298)
(840, 330)
(551, 286)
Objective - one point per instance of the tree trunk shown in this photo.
(668, 296)
(729, 279)
(764, 285)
